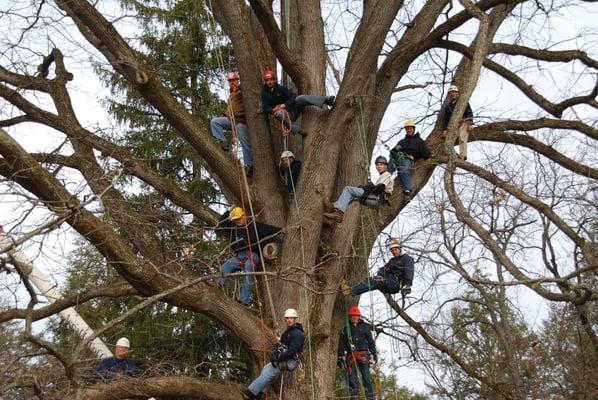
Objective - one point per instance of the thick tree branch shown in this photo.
(112, 291)
(544, 54)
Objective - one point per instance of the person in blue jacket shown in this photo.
(285, 356)
(276, 99)
(289, 170)
(118, 366)
(395, 276)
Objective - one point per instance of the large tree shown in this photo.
(391, 45)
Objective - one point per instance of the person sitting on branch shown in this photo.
(246, 237)
(289, 170)
(395, 276)
(465, 123)
(405, 153)
(370, 195)
(285, 356)
(235, 112)
(285, 105)
(357, 350)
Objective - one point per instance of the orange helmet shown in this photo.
(354, 312)
(268, 74)
(232, 76)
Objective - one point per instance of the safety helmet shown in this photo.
(268, 74)
(410, 123)
(291, 313)
(237, 213)
(453, 88)
(354, 312)
(232, 76)
(394, 243)
(381, 160)
(287, 154)
(123, 342)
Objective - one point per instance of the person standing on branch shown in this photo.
(289, 170)
(285, 356)
(370, 195)
(405, 153)
(465, 123)
(235, 112)
(357, 350)
(285, 105)
(395, 276)
(245, 239)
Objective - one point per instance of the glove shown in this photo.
(379, 279)
(274, 357)
(368, 187)
(405, 290)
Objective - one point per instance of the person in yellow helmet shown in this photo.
(409, 149)
(245, 239)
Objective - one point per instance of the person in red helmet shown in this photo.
(357, 350)
(277, 99)
(235, 111)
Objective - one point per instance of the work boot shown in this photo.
(247, 394)
(328, 205)
(303, 133)
(337, 216)
(406, 196)
(223, 145)
(345, 289)
(329, 100)
(249, 171)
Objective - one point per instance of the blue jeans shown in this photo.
(301, 102)
(220, 124)
(351, 194)
(241, 262)
(268, 374)
(405, 165)
(387, 285)
(366, 379)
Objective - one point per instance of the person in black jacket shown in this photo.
(395, 276)
(245, 238)
(357, 350)
(405, 153)
(289, 170)
(276, 99)
(285, 356)
(464, 123)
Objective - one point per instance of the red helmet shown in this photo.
(232, 76)
(268, 74)
(354, 312)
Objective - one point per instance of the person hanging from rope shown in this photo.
(395, 276)
(285, 105)
(465, 123)
(285, 356)
(370, 195)
(405, 153)
(246, 237)
(289, 170)
(357, 351)
(235, 112)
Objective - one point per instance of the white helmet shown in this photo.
(394, 243)
(291, 313)
(287, 154)
(453, 88)
(123, 342)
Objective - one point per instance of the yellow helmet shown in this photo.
(410, 122)
(237, 213)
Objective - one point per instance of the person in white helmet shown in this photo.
(235, 111)
(289, 170)
(464, 124)
(395, 276)
(118, 366)
(285, 356)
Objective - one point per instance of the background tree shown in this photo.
(548, 185)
